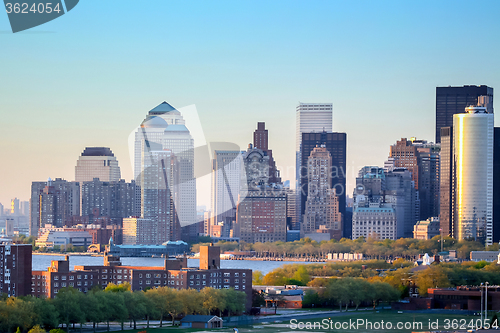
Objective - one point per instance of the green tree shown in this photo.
(213, 300)
(136, 304)
(67, 303)
(302, 275)
(257, 278)
(37, 329)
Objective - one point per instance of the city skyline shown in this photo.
(370, 73)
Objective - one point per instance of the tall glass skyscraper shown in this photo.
(97, 162)
(164, 128)
(473, 174)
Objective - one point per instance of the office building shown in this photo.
(322, 204)
(15, 269)
(261, 211)
(97, 162)
(496, 185)
(309, 118)
(422, 160)
(164, 127)
(453, 100)
(336, 145)
(54, 202)
(14, 207)
(226, 178)
(473, 174)
(139, 231)
(261, 141)
(385, 204)
(446, 188)
(64, 238)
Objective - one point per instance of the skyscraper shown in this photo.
(261, 210)
(446, 187)
(14, 207)
(97, 162)
(453, 100)
(496, 185)
(322, 205)
(336, 145)
(260, 141)
(473, 174)
(226, 178)
(422, 160)
(309, 118)
(165, 126)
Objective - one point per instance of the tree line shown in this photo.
(372, 248)
(115, 303)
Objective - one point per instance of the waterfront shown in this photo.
(41, 262)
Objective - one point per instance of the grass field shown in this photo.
(384, 321)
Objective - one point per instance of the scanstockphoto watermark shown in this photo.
(26, 14)
(354, 324)
(363, 324)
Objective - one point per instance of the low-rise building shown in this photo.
(426, 229)
(51, 238)
(489, 256)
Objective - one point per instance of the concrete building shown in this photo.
(426, 229)
(309, 118)
(473, 174)
(54, 202)
(385, 204)
(226, 179)
(261, 211)
(421, 159)
(261, 141)
(139, 231)
(336, 145)
(64, 238)
(322, 204)
(97, 162)
(115, 199)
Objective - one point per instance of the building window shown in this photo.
(227, 274)
(236, 287)
(63, 284)
(140, 276)
(226, 280)
(191, 283)
(71, 277)
(148, 276)
(104, 270)
(236, 274)
(148, 281)
(56, 277)
(56, 284)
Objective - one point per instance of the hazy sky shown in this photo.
(89, 77)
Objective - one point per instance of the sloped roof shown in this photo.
(162, 108)
(198, 318)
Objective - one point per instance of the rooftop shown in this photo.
(97, 151)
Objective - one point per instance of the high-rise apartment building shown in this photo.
(446, 187)
(261, 141)
(139, 231)
(15, 269)
(422, 160)
(336, 145)
(309, 118)
(14, 207)
(453, 100)
(226, 178)
(473, 174)
(261, 211)
(97, 162)
(53, 202)
(322, 204)
(165, 126)
(116, 200)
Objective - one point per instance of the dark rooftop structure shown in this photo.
(97, 151)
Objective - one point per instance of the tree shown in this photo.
(135, 302)
(301, 275)
(258, 299)
(235, 300)
(432, 277)
(213, 300)
(44, 312)
(67, 303)
(37, 329)
(257, 277)
(192, 303)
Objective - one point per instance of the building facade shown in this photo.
(261, 210)
(97, 162)
(54, 202)
(426, 229)
(322, 204)
(15, 269)
(336, 145)
(473, 174)
(453, 100)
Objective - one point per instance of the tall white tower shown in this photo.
(97, 162)
(473, 174)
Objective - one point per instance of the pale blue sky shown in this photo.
(89, 77)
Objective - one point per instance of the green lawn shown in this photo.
(393, 317)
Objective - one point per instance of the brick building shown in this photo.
(15, 269)
(174, 274)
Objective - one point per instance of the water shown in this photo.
(41, 262)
